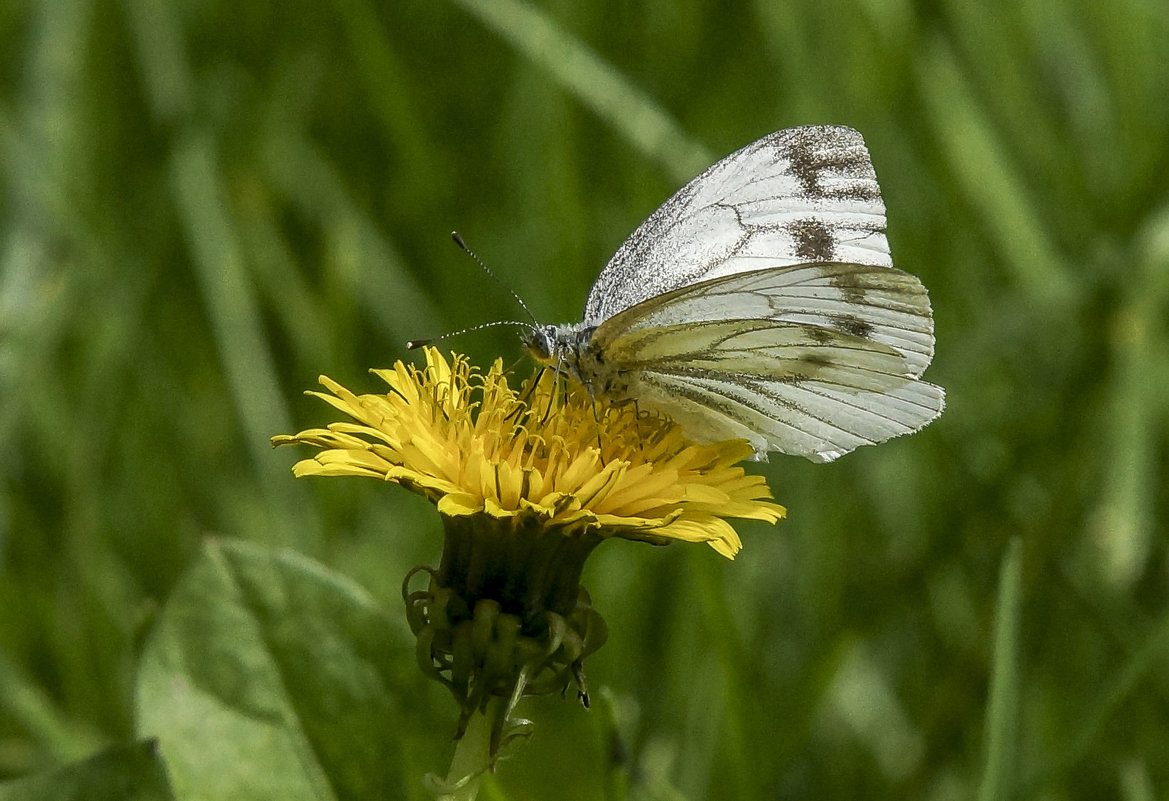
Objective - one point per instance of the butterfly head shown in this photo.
(556, 345)
(566, 349)
(540, 342)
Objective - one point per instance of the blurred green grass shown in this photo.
(205, 205)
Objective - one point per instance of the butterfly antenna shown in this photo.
(483, 266)
(418, 343)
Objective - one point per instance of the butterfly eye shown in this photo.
(538, 341)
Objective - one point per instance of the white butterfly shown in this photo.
(760, 302)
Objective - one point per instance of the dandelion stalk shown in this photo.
(472, 757)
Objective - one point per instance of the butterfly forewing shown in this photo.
(799, 195)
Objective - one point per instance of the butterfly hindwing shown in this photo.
(813, 359)
(818, 418)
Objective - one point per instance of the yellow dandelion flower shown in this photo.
(475, 446)
(527, 482)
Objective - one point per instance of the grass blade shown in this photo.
(1003, 709)
(594, 82)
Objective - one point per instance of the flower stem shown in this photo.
(472, 757)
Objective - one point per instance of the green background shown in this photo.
(205, 204)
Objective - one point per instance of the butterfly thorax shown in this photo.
(569, 349)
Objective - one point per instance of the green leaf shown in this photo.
(269, 677)
(125, 773)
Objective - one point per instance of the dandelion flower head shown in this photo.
(544, 452)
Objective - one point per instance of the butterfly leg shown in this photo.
(597, 419)
(529, 390)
